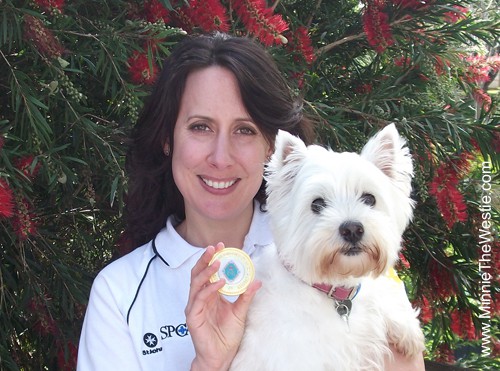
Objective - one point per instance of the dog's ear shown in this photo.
(288, 148)
(286, 161)
(388, 151)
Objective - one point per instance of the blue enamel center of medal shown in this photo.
(231, 271)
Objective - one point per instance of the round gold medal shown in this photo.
(236, 268)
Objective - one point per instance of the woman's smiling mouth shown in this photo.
(219, 184)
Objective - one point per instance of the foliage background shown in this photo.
(73, 78)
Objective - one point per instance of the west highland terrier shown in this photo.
(328, 301)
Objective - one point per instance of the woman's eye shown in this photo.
(247, 131)
(368, 199)
(199, 127)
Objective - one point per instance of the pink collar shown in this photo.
(339, 293)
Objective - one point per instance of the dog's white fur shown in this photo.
(292, 325)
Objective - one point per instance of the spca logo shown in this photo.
(169, 331)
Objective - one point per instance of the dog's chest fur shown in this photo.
(293, 326)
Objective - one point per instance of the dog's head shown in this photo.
(339, 216)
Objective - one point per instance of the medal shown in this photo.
(236, 268)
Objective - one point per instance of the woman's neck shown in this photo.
(202, 232)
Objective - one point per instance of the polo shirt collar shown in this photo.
(259, 234)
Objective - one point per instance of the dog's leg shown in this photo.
(403, 327)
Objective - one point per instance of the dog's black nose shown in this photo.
(351, 231)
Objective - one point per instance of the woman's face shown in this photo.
(219, 152)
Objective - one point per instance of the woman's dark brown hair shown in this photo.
(153, 195)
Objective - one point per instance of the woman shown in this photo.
(196, 161)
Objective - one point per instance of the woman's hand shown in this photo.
(216, 325)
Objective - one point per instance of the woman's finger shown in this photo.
(200, 277)
(199, 301)
(203, 261)
(201, 281)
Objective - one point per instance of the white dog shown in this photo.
(327, 301)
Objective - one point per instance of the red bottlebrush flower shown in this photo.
(43, 39)
(261, 21)
(423, 77)
(6, 200)
(426, 312)
(2, 142)
(25, 164)
(496, 348)
(449, 109)
(403, 62)
(479, 68)
(494, 63)
(441, 280)
(445, 354)
(449, 200)
(444, 185)
(363, 89)
(462, 164)
(482, 98)
(139, 69)
(301, 42)
(134, 10)
(458, 14)
(66, 357)
(50, 4)
(23, 220)
(461, 324)
(209, 15)
(441, 66)
(154, 11)
(404, 262)
(44, 322)
(182, 19)
(376, 26)
(299, 77)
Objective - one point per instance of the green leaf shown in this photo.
(114, 187)
(37, 102)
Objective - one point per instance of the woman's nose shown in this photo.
(221, 154)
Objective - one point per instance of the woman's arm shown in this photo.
(216, 325)
(105, 342)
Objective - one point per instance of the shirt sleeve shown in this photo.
(105, 342)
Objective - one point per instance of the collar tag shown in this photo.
(343, 308)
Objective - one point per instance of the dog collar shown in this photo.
(339, 293)
(342, 297)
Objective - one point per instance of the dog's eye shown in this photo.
(318, 205)
(368, 199)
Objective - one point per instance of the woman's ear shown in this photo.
(270, 152)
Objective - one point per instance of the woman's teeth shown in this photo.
(219, 185)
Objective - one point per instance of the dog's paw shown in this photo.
(408, 341)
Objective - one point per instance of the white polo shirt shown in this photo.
(135, 316)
